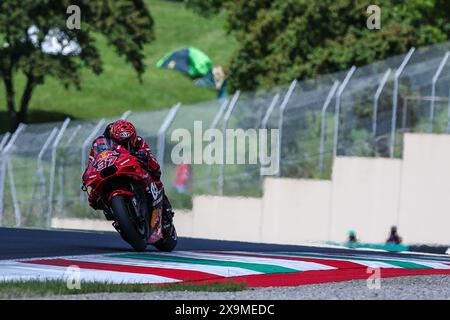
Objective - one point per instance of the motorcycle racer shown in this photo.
(123, 133)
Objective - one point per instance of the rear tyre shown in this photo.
(169, 242)
(126, 224)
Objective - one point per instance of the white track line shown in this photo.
(23, 271)
(222, 271)
(292, 264)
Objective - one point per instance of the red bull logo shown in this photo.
(105, 154)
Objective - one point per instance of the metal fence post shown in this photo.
(263, 125)
(161, 143)
(283, 106)
(227, 116)
(125, 115)
(86, 142)
(3, 159)
(269, 111)
(13, 139)
(219, 114)
(61, 171)
(12, 186)
(40, 170)
(2, 172)
(2, 187)
(376, 101)
(337, 108)
(322, 125)
(214, 123)
(40, 183)
(84, 147)
(4, 140)
(52, 172)
(398, 73)
(433, 89)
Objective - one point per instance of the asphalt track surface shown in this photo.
(32, 243)
(90, 249)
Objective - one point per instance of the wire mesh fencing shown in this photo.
(363, 111)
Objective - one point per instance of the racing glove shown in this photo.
(142, 156)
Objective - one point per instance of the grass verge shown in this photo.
(35, 288)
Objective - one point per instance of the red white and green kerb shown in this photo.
(253, 269)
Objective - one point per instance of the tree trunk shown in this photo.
(9, 88)
(17, 117)
(26, 97)
(13, 120)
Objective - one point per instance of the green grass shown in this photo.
(36, 288)
(117, 89)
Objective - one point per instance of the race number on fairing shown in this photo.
(106, 159)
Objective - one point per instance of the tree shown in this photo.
(285, 39)
(27, 26)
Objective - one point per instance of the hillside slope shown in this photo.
(117, 89)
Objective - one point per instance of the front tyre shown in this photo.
(127, 226)
(169, 242)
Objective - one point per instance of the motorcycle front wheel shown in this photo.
(169, 242)
(127, 226)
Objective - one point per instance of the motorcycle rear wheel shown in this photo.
(127, 227)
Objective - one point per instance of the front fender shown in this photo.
(119, 193)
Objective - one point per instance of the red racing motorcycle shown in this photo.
(129, 197)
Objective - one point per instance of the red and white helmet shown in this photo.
(123, 132)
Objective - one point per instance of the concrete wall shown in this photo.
(184, 221)
(227, 218)
(82, 224)
(295, 210)
(425, 189)
(365, 197)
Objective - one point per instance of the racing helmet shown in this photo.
(123, 132)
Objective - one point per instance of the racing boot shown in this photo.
(167, 218)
